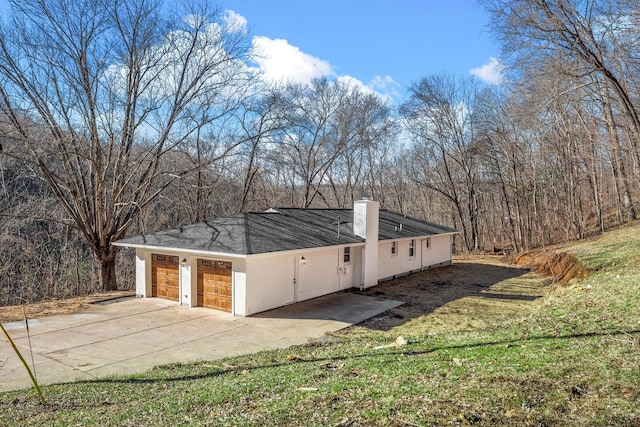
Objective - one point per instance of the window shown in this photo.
(412, 248)
(346, 257)
(427, 243)
(394, 248)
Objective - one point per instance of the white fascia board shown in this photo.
(179, 250)
(304, 250)
(422, 236)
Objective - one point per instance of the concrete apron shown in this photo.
(134, 335)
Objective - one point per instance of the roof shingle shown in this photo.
(281, 229)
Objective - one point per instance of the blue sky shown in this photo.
(383, 44)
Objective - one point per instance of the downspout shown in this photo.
(339, 269)
(362, 267)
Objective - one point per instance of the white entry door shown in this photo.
(295, 282)
(425, 250)
(346, 267)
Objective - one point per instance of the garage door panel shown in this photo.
(214, 284)
(165, 277)
(217, 302)
(218, 288)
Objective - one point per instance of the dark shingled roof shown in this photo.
(281, 229)
(390, 227)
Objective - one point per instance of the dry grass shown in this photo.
(565, 355)
(14, 313)
(475, 293)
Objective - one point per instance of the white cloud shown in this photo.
(281, 62)
(491, 72)
(386, 87)
(355, 83)
(278, 61)
(235, 22)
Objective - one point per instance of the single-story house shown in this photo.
(256, 261)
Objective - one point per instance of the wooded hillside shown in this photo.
(124, 118)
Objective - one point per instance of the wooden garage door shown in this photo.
(165, 277)
(214, 284)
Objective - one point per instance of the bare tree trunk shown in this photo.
(619, 167)
(105, 268)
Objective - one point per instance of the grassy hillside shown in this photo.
(573, 361)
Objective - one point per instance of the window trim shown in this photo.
(346, 255)
(427, 243)
(394, 248)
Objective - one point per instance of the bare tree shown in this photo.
(45, 254)
(440, 117)
(364, 129)
(309, 140)
(263, 119)
(96, 94)
(507, 161)
(596, 41)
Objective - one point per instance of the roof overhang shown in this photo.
(228, 254)
(178, 250)
(421, 236)
(305, 250)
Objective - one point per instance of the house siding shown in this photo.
(439, 253)
(143, 277)
(319, 275)
(280, 279)
(393, 265)
(239, 288)
(269, 283)
(390, 266)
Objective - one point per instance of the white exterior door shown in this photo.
(295, 283)
(425, 248)
(346, 269)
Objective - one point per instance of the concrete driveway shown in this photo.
(133, 335)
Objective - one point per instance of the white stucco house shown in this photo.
(256, 261)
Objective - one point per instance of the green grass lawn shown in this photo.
(574, 361)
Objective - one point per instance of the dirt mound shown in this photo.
(562, 266)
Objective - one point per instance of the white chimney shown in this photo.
(365, 225)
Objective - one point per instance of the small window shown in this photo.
(412, 248)
(394, 248)
(346, 257)
(427, 243)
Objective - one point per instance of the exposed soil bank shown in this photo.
(561, 266)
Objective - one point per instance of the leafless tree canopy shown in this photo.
(95, 94)
(121, 118)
